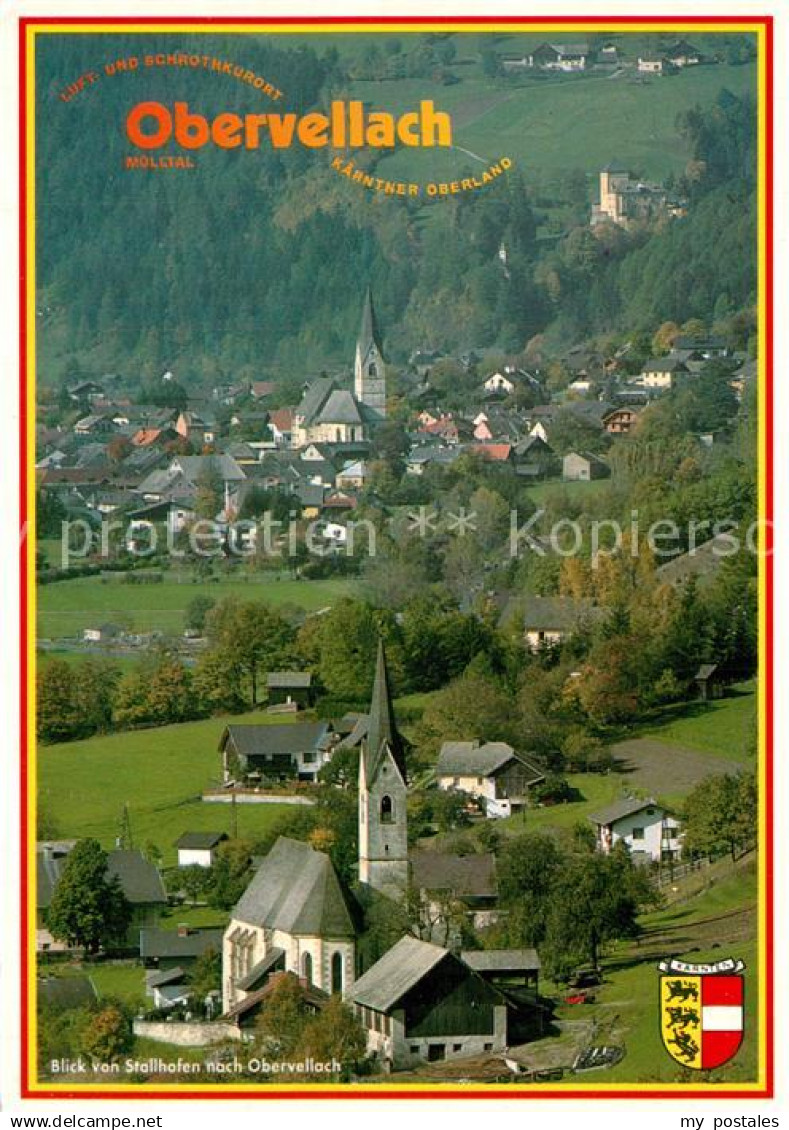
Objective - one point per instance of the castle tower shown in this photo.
(613, 182)
(369, 376)
(383, 824)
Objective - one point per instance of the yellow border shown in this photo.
(256, 1089)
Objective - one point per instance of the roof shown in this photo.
(563, 613)
(302, 679)
(66, 992)
(272, 741)
(158, 977)
(498, 452)
(396, 973)
(663, 365)
(369, 334)
(315, 397)
(501, 961)
(140, 880)
(155, 943)
(620, 809)
(474, 759)
(706, 671)
(382, 733)
(341, 407)
(312, 995)
(257, 972)
(296, 890)
(200, 840)
(465, 876)
(281, 419)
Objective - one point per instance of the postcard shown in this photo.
(397, 589)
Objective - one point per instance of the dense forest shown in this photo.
(252, 263)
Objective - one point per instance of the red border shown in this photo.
(359, 1093)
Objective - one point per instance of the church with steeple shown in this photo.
(383, 822)
(331, 413)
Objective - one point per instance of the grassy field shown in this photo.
(725, 727)
(160, 773)
(581, 122)
(66, 608)
(575, 492)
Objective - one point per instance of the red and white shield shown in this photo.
(722, 1002)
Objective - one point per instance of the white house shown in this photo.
(493, 772)
(646, 828)
(661, 372)
(199, 848)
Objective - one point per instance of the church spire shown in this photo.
(368, 331)
(382, 729)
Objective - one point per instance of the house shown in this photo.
(493, 452)
(621, 421)
(655, 65)
(491, 771)
(549, 620)
(199, 848)
(86, 392)
(95, 424)
(276, 753)
(287, 688)
(420, 1002)
(534, 458)
(702, 562)
(168, 987)
(139, 880)
(709, 682)
(198, 429)
(662, 372)
(280, 424)
(465, 881)
(104, 633)
(683, 54)
(260, 390)
(353, 476)
(709, 346)
(565, 57)
(181, 948)
(244, 1013)
(583, 467)
(294, 916)
(645, 827)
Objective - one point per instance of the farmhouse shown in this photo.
(171, 949)
(549, 620)
(492, 771)
(621, 421)
(460, 882)
(276, 754)
(421, 1002)
(662, 372)
(140, 882)
(646, 828)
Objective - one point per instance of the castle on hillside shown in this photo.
(624, 201)
(329, 413)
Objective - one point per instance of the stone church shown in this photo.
(329, 413)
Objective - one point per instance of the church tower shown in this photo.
(383, 824)
(369, 376)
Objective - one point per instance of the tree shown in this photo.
(196, 611)
(473, 706)
(194, 880)
(597, 900)
(206, 974)
(333, 1034)
(88, 908)
(281, 1023)
(528, 871)
(107, 1035)
(230, 873)
(721, 814)
(57, 716)
(251, 635)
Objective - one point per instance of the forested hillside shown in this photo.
(252, 263)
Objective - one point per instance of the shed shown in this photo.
(289, 687)
(709, 682)
(199, 848)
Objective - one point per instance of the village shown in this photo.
(424, 945)
(397, 565)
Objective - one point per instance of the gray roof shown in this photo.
(300, 679)
(663, 365)
(158, 977)
(706, 671)
(169, 943)
(382, 734)
(296, 889)
(558, 613)
(475, 760)
(257, 972)
(501, 961)
(66, 992)
(340, 408)
(270, 741)
(396, 973)
(621, 808)
(465, 876)
(139, 879)
(315, 397)
(200, 841)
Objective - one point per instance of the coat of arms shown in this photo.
(701, 1011)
